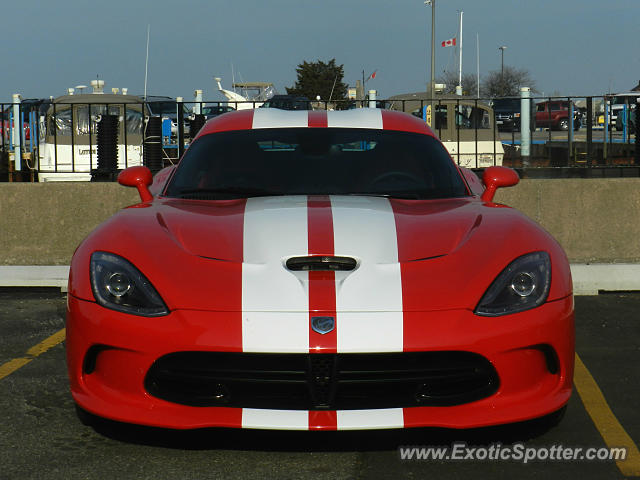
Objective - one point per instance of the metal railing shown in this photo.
(571, 136)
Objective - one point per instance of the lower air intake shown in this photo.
(322, 381)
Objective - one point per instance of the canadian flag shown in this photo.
(449, 43)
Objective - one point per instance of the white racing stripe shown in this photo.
(370, 419)
(274, 301)
(275, 419)
(369, 299)
(275, 118)
(359, 118)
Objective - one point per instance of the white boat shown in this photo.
(254, 94)
(464, 125)
(68, 150)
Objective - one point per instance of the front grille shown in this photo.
(321, 381)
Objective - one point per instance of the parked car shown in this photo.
(167, 107)
(37, 105)
(6, 124)
(631, 119)
(617, 105)
(335, 270)
(554, 115)
(507, 111)
(211, 111)
(288, 102)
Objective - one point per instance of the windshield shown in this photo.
(506, 104)
(216, 110)
(81, 114)
(308, 161)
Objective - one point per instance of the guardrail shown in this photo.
(598, 136)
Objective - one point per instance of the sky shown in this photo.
(569, 47)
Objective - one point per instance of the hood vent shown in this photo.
(321, 263)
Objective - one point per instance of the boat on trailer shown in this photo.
(465, 125)
(68, 150)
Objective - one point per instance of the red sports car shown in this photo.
(317, 270)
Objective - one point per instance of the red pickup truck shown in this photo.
(554, 114)
(6, 125)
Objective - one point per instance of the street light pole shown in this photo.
(432, 82)
(502, 49)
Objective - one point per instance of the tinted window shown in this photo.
(304, 161)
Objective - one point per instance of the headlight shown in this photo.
(524, 284)
(118, 285)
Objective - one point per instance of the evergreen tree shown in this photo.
(320, 78)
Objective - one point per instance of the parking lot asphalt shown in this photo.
(41, 437)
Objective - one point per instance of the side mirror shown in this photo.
(497, 177)
(139, 177)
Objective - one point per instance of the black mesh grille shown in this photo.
(321, 381)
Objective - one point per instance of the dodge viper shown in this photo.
(309, 270)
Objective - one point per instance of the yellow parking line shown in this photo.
(12, 365)
(605, 421)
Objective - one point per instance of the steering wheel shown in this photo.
(397, 177)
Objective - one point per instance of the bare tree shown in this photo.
(507, 84)
(469, 83)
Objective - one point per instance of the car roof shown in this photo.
(261, 118)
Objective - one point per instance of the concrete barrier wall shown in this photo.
(595, 220)
(43, 223)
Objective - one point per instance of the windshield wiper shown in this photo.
(236, 192)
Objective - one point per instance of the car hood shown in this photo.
(229, 255)
(203, 229)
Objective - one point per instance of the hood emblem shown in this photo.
(323, 325)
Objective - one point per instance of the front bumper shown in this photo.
(124, 347)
